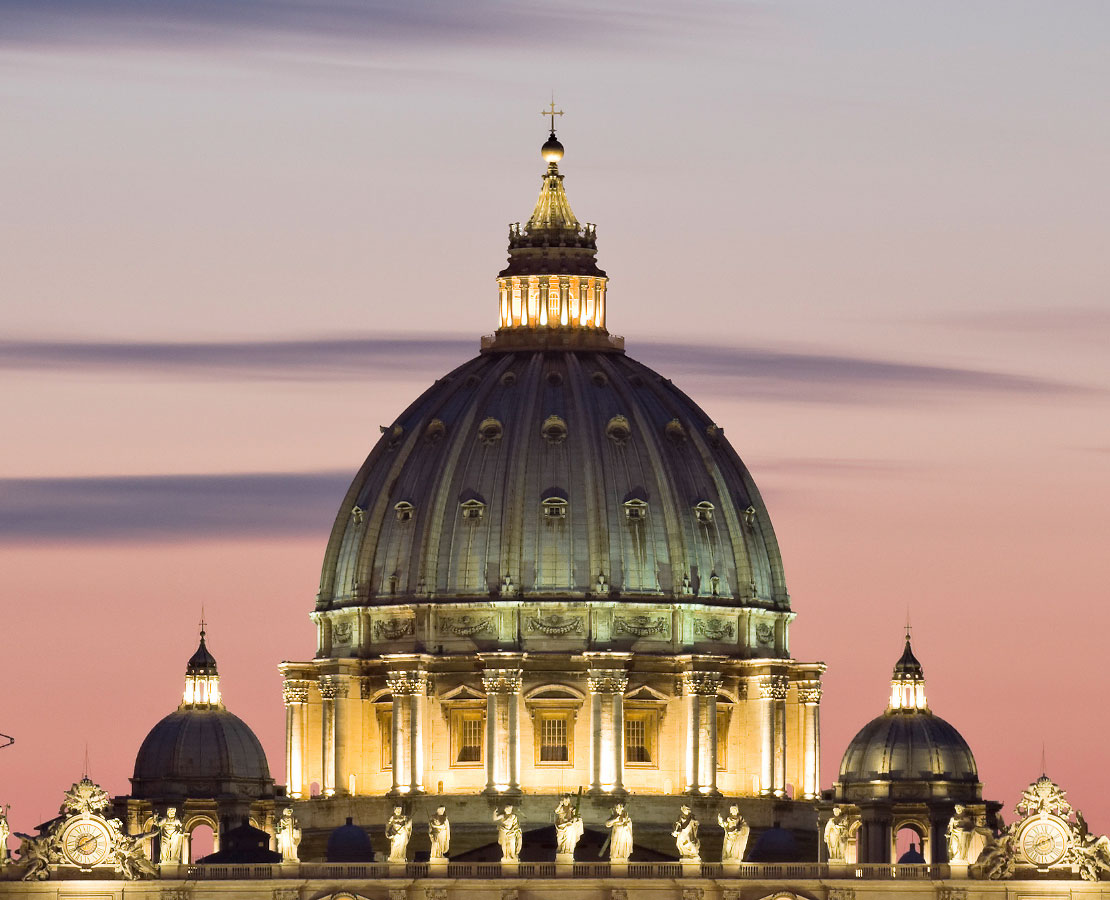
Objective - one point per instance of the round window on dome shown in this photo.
(554, 430)
(618, 430)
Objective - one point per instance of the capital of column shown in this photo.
(294, 691)
(607, 681)
(704, 683)
(407, 682)
(334, 687)
(772, 687)
(502, 681)
(809, 692)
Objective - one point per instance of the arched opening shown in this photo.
(909, 845)
(314, 789)
(202, 841)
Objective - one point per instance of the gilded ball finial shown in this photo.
(552, 150)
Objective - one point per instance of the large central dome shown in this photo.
(552, 570)
(532, 472)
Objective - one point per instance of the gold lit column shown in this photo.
(701, 689)
(334, 689)
(607, 687)
(809, 696)
(295, 695)
(502, 687)
(408, 688)
(771, 694)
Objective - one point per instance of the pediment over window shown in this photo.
(462, 692)
(555, 692)
(643, 692)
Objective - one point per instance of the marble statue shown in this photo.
(685, 834)
(439, 834)
(967, 836)
(998, 860)
(568, 826)
(1091, 854)
(128, 854)
(288, 835)
(509, 834)
(620, 835)
(736, 835)
(38, 854)
(171, 832)
(398, 830)
(836, 835)
(4, 832)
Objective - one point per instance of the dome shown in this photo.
(908, 746)
(541, 472)
(201, 750)
(201, 753)
(349, 843)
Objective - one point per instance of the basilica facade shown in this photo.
(553, 637)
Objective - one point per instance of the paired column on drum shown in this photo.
(809, 698)
(295, 695)
(334, 690)
(770, 693)
(502, 687)
(700, 690)
(409, 689)
(607, 687)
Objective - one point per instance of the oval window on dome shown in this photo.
(703, 512)
(554, 430)
(618, 430)
(435, 431)
(404, 510)
(674, 430)
(490, 431)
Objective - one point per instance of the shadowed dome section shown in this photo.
(201, 750)
(454, 502)
(908, 746)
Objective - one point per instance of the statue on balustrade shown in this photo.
(171, 834)
(397, 831)
(509, 835)
(967, 836)
(620, 835)
(836, 835)
(4, 832)
(685, 834)
(568, 826)
(736, 835)
(439, 834)
(288, 835)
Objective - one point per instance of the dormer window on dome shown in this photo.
(907, 686)
(202, 681)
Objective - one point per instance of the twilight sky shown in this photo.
(870, 238)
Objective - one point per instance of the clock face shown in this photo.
(1044, 843)
(85, 843)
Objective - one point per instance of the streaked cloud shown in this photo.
(150, 508)
(125, 23)
(1062, 322)
(757, 372)
(169, 507)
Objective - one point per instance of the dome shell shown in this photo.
(201, 753)
(908, 746)
(559, 473)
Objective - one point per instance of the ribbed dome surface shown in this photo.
(560, 473)
(908, 746)
(201, 753)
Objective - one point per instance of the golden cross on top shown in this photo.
(553, 112)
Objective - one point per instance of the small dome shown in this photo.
(201, 752)
(776, 844)
(552, 150)
(908, 745)
(349, 843)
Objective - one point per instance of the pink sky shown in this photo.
(871, 243)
